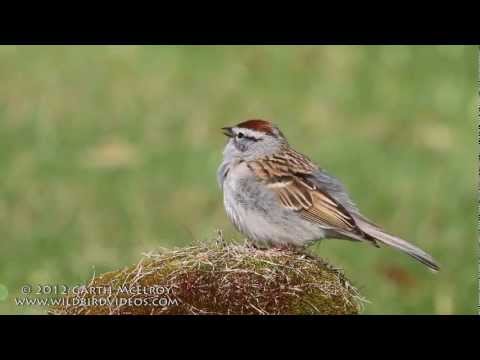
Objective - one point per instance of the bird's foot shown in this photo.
(286, 247)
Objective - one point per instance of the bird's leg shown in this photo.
(220, 240)
(251, 244)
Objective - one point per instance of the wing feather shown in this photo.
(287, 175)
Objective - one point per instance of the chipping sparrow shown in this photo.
(278, 197)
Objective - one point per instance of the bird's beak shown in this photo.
(227, 131)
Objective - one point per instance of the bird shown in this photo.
(277, 197)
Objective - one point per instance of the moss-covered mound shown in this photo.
(217, 279)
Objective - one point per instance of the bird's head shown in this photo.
(252, 139)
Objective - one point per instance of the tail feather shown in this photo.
(400, 244)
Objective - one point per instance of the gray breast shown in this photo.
(256, 212)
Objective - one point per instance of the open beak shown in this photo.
(227, 131)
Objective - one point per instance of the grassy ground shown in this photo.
(108, 152)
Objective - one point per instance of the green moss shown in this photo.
(218, 279)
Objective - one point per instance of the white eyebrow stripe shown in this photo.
(249, 132)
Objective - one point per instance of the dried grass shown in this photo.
(218, 278)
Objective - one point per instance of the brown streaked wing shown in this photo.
(286, 175)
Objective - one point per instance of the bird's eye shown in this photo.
(240, 135)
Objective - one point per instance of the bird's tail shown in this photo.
(378, 234)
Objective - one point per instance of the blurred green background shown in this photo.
(107, 152)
